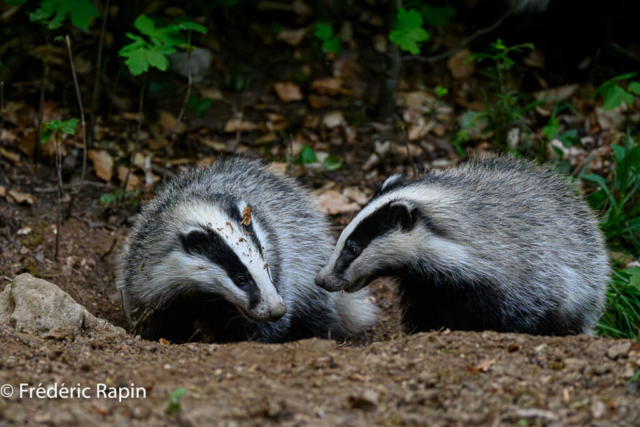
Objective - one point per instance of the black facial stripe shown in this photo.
(209, 243)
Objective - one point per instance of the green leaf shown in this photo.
(109, 198)
(631, 159)
(169, 35)
(441, 91)
(45, 135)
(141, 55)
(173, 404)
(307, 155)
(437, 16)
(333, 162)
(54, 13)
(614, 96)
(199, 106)
(323, 31)
(408, 31)
(331, 45)
(604, 86)
(634, 278)
(634, 87)
(619, 151)
(552, 128)
(190, 26)
(569, 138)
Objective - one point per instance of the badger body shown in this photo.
(229, 253)
(497, 244)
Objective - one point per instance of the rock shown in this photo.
(367, 401)
(35, 305)
(618, 350)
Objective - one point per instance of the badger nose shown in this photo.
(319, 281)
(277, 312)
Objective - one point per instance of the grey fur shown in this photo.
(298, 245)
(497, 243)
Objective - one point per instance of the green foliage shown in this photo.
(622, 317)
(330, 43)
(333, 162)
(437, 16)
(235, 80)
(54, 12)
(569, 137)
(173, 404)
(408, 31)
(441, 91)
(111, 198)
(152, 51)
(307, 155)
(613, 94)
(199, 106)
(57, 128)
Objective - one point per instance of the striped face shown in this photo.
(221, 255)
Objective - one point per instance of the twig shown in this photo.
(406, 143)
(185, 102)
(43, 83)
(1, 107)
(60, 190)
(105, 186)
(290, 158)
(76, 194)
(464, 43)
(96, 84)
(135, 147)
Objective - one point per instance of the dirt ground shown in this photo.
(383, 378)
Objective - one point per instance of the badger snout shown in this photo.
(277, 311)
(331, 282)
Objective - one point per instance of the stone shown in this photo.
(40, 307)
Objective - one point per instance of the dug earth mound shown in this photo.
(438, 378)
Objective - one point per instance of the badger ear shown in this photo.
(403, 215)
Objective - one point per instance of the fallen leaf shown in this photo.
(557, 94)
(133, 181)
(102, 163)
(354, 194)
(22, 197)
(7, 135)
(3, 191)
(246, 216)
(27, 143)
(278, 168)
(380, 43)
(367, 401)
(236, 124)
(333, 119)
(327, 86)
(216, 145)
(287, 91)
(485, 364)
(211, 93)
(164, 341)
(10, 155)
(24, 231)
(276, 122)
(169, 122)
(459, 66)
(292, 37)
(535, 59)
(332, 203)
(206, 162)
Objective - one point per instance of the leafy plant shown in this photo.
(54, 12)
(57, 128)
(199, 106)
(307, 155)
(173, 404)
(330, 43)
(437, 16)
(408, 31)
(441, 91)
(111, 198)
(152, 49)
(622, 317)
(333, 162)
(613, 94)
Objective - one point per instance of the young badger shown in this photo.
(499, 244)
(222, 250)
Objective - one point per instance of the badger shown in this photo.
(229, 253)
(497, 244)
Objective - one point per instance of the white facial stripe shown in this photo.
(242, 245)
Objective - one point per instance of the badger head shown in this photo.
(216, 252)
(398, 230)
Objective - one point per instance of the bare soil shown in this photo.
(382, 378)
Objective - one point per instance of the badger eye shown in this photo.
(353, 250)
(241, 280)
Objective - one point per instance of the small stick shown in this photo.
(185, 102)
(1, 107)
(464, 43)
(43, 85)
(406, 143)
(290, 159)
(96, 84)
(135, 147)
(60, 191)
(84, 129)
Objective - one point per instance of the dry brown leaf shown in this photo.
(236, 124)
(164, 341)
(354, 194)
(216, 145)
(292, 37)
(27, 143)
(267, 138)
(333, 119)
(211, 93)
(535, 59)
(485, 364)
(278, 167)
(102, 163)
(206, 162)
(20, 198)
(10, 155)
(332, 203)
(459, 66)
(3, 191)
(7, 135)
(133, 182)
(276, 122)
(327, 86)
(168, 122)
(380, 43)
(130, 115)
(556, 94)
(287, 91)
(246, 216)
